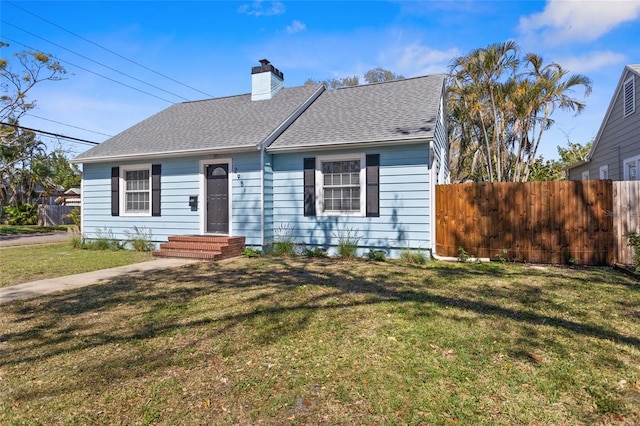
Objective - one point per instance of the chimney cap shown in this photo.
(265, 66)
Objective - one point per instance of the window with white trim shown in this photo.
(632, 168)
(604, 172)
(340, 185)
(136, 190)
(629, 96)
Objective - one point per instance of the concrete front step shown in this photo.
(201, 247)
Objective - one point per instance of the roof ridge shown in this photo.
(398, 80)
(240, 95)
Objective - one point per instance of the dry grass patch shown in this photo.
(324, 341)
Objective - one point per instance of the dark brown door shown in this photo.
(218, 198)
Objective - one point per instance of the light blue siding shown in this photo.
(246, 199)
(180, 179)
(268, 198)
(405, 217)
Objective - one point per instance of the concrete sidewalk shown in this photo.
(52, 285)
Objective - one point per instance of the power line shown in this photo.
(109, 50)
(92, 72)
(69, 125)
(92, 60)
(57, 135)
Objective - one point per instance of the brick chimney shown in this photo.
(266, 81)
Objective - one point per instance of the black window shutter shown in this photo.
(115, 191)
(309, 186)
(373, 185)
(155, 189)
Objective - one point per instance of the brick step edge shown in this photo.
(191, 255)
(206, 239)
(175, 245)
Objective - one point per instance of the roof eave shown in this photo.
(349, 145)
(578, 164)
(160, 155)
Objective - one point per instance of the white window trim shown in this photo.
(633, 97)
(585, 175)
(604, 169)
(123, 189)
(626, 161)
(320, 184)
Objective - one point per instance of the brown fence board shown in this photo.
(546, 222)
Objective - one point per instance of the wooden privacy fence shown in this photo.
(540, 222)
(626, 217)
(54, 215)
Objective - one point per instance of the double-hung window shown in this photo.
(632, 168)
(342, 184)
(604, 172)
(136, 190)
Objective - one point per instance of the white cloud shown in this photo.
(417, 59)
(577, 20)
(295, 27)
(592, 61)
(259, 8)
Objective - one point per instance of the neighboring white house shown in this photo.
(71, 197)
(615, 153)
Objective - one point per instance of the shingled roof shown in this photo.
(233, 123)
(398, 110)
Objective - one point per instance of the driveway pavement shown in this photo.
(31, 239)
(51, 285)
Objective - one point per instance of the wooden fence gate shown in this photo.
(626, 217)
(49, 215)
(540, 222)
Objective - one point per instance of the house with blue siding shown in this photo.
(302, 163)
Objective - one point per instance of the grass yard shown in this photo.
(24, 264)
(29, 229)
(325, 341)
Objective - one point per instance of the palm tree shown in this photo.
(498, 116)
(480, 79)
(553, 87)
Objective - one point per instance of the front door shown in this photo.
(217, 198)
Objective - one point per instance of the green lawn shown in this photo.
(29, 229)
(325, 341)
(24, 264)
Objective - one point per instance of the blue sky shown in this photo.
(210, 46)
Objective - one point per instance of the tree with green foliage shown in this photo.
(378, 75)
(499, 105)
(63, 173)
(375, 75)
(24, 168)
(19, 148)
(548, 170)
